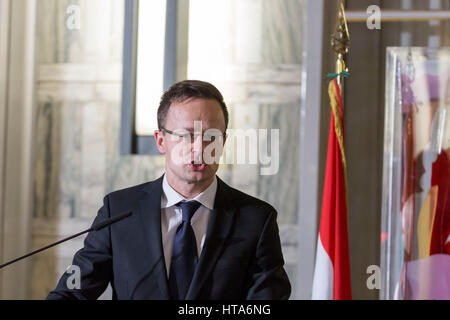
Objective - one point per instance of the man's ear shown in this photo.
(159, 138)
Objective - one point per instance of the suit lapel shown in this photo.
(150, 216)
(218, 230)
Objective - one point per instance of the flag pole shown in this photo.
(332, 278)
(340, 43)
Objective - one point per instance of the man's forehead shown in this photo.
(194, 101)
(208, 110)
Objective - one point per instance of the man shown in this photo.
(190, 236)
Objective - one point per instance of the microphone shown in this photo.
(95, 227)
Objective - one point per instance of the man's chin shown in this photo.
(196, 176)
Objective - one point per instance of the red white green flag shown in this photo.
(332, 269)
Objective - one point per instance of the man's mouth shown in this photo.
(197, 167)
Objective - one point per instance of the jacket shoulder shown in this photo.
(244, 200)
(132, 193)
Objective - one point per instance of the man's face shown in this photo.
(185, 161)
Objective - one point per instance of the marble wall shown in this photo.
(77, 158)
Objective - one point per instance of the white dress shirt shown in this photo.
(171, 216)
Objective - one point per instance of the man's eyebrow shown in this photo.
(185, 130)
(190, 129)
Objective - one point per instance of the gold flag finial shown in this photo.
(340, 40)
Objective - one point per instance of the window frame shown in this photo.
(130, 142)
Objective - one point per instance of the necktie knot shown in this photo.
(188, 209)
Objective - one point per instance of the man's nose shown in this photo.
(197, 149)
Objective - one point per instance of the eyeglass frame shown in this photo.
(192, 137)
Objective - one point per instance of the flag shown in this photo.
(332, 270)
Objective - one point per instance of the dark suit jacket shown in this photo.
(241, 256)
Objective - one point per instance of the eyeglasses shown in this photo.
(187, 136)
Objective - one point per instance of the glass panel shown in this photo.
(364, 121)
(416, 180)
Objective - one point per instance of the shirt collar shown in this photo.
(171, 197)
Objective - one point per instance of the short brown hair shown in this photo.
(187, 89)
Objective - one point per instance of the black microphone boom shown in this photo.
(95, 227)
